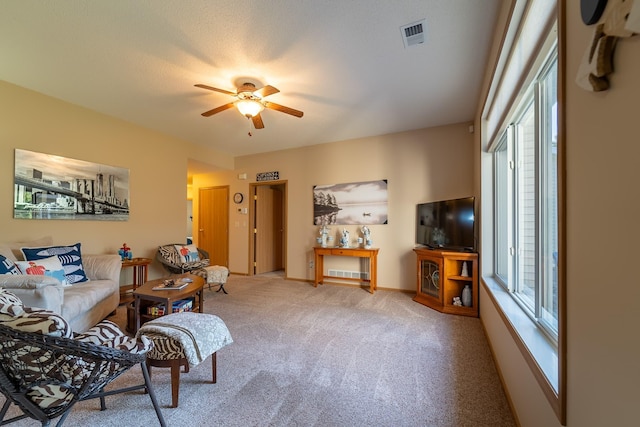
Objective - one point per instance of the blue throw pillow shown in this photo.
(69, 256)
(7, 266)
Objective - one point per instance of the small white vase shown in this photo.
(466, 296)
(465, 272)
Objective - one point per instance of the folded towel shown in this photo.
(199, 334)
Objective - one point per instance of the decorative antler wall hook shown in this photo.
(597, 62)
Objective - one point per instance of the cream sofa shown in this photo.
(82, 304)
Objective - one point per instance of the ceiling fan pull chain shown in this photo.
(249, 120)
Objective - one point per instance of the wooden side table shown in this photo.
(140, 267)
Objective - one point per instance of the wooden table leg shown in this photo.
(136, 313)
(319, 261)
(214, 369)
(373, 274)
(175, 382)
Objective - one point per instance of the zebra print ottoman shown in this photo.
(184, 340)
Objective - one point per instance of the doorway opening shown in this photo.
(268, 230)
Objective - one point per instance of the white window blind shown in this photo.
(529, 26)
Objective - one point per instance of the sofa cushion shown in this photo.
(190, 266)
(5, 251)
(70, 257)
(15, 247)
(29, 319)
(44, 267)
(187, 253)
(108, 334)
(10, 304)
(7, 266)
(80, 297)
(40, 321)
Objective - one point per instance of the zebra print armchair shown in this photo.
(175, 263)
(45, 369)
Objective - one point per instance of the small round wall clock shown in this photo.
(238, 197)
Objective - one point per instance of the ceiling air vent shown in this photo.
(413, 34)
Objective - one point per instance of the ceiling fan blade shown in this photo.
(283, 109)
(257, 122)
(215, 89)
(218, 109)
(266, 91)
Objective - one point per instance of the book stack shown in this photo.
(177, 307)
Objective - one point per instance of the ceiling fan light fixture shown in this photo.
(249, 107)
(250, 102)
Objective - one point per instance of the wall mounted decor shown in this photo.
(591, 10)
(633, 20)
(54, 187)
(597, 63)
(268, 176)
(355, 203)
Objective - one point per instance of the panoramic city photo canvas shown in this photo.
(354, 203)
(54, 187)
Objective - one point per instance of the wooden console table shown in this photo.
(371, 254)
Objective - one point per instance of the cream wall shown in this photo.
(603, 315)
(157, 172)
(423, 165)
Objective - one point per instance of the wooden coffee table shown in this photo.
(146, 293)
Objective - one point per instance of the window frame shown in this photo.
(532, 100)
(533, 26)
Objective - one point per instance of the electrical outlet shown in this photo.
(310, 264)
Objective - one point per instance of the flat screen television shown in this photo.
(447, 224)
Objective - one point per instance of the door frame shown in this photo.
(252, 221)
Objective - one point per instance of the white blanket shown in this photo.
(199, 334)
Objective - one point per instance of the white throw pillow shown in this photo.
(187, 253)
(44, 267)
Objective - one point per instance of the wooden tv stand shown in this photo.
(440, 280)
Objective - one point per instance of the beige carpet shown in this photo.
(326, 356)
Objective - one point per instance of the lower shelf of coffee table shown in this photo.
(144, 317)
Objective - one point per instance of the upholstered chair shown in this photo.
(179, 258)
(45, 369)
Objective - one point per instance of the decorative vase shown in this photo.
(466, 296)
(465, 272)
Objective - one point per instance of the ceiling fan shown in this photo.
(250, 102)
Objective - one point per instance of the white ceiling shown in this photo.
(342, 62)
